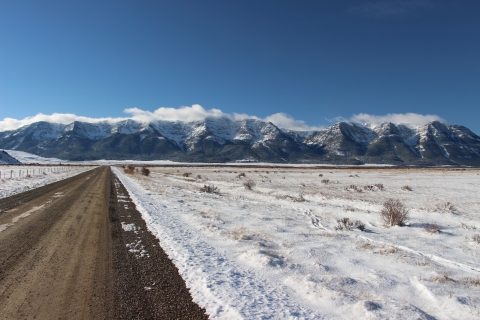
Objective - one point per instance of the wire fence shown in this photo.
(30, 172)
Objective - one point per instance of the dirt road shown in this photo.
(65, 255)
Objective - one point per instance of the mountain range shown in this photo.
(228, 140)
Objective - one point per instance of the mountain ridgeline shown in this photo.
(227, 140)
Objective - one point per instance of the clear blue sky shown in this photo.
(314, 60)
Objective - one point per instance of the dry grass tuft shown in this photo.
(300, 198)
(353, 187)
(145, 171)
(431, 228)
(379, 186)
(476, 238)
(446, 207)
(345, 224)
(374, 187)
(388, 250)
(249, 184)
(442, 278)
(129, 169)
(239, 233)
(210, 189)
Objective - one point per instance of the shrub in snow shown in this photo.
(373, 187)
(210, 189)
(465, 226)
(394, 213)
(353, 187)
(431, 228)
(249, 184)
(379, 186)
(145, 171)
(129, 169)
(300, 198)
(445, 207)
(476, 238)
(345, 224)
(239, 233)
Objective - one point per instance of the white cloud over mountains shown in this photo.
(407, 118)
(198, 113)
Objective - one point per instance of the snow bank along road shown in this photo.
(67, 252)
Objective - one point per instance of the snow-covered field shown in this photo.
(16, 178)
(273, 252)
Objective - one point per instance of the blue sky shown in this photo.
(314, 61)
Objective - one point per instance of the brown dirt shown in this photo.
(64, 255)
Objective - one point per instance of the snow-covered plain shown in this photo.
(273, 252)
(17, 178)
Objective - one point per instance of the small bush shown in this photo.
(187, 174)
(145, 171)
(129, 169)
(239, 233)
(325, 181)
(249, 184)
(388, 250)
(353, 187)
(394, 213)
(431, 228)
(476, 238)
(379, 186)
(210, 189)
(407, 188)
(445, 207)
(300, 198)
(345, 224)
(373, 187)
(465, 226)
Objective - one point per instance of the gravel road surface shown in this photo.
(78, 249)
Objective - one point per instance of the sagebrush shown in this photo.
(145, 171)
(249, 184)
(209, 189)
(345, 224)
(394, 213)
